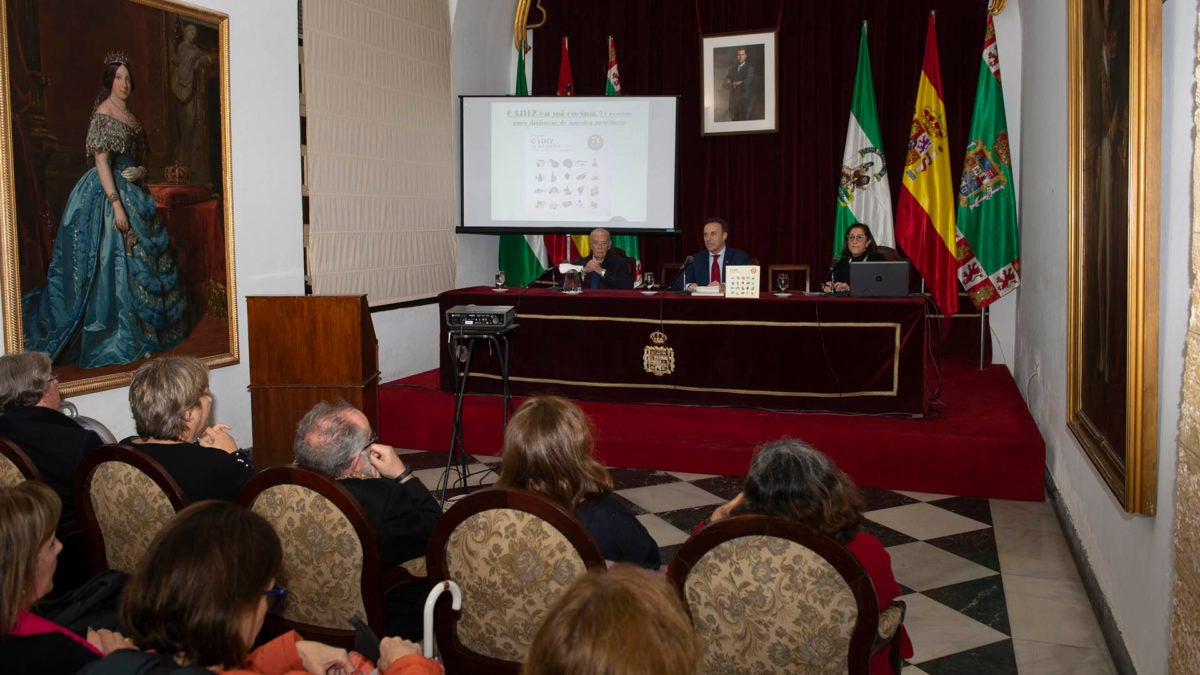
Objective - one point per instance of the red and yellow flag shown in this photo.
(925, 215)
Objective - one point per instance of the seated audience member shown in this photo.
(715, 257)
(625, 620)
(29, 549)
(793, 480)
(603, 268)
(336, 440)
(860, 246)
(201, 593)
(171, 406)
(548, 448)
(29, 401)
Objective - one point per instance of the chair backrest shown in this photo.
(513, 553)
(764, 592)
(122, 499)
(795, 283)
(15, 465)
(331, 556)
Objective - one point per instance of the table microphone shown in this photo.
(682, 272)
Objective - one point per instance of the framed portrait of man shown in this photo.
(115, 178)
(739, 83)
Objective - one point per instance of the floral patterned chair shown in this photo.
(15, 465)
(513, 553)
(770, 595)
(122, 499)
(331, 557)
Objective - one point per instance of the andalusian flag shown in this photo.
(863, 193)
(612, 87)
(612, 84)
(523, 257)
(925, 215)
(989, 251)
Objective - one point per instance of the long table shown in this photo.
(794, 353)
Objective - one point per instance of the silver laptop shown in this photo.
(879, 279)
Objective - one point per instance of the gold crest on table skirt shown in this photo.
(657, 359)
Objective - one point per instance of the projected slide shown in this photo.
(568, 163)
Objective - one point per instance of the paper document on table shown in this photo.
(741, 281)
(713, 291)
(566, 268)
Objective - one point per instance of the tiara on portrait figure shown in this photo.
(116, 57)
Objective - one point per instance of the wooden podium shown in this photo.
(306, 349)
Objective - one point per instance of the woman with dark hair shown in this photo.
(201, 593)
(548, 449)
(113, 293)
(793, 480)
(859, 246)
(171, 406)
(29, 549)
(624, 620)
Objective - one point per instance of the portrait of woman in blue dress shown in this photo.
(113, 293)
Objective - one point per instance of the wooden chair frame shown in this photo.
(773, 269)
(864, 641)
(457, 657)
(13, 453)
(85, 512)
(375, 584)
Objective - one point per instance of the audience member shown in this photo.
(171, 406)
(793, 480)
(29, 402)
(29, 549)
(548, 448)
(201, 593)
(625, 620)
(336, 440)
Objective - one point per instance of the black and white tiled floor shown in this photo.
(989, 583)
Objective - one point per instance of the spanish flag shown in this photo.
(925, 215)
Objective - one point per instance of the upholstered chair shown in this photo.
(770, 595)
(122, 499)
(331, 555)
(513, 553)
(15, 465)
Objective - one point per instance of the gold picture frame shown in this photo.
(1114, 82)
(175, 294)
(740, 90)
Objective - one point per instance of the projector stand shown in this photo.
(461, 343)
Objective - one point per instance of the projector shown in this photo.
(480, 316)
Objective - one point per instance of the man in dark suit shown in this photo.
(336, 440)
(604, 268)
(714, 256)
(739, 80)
(29, 402)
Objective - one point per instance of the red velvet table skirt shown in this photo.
(194, 217)
(795, 353)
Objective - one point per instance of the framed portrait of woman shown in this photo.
(1114, 58)
(115, 204)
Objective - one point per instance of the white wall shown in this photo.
(265, 129)
(1130, 555)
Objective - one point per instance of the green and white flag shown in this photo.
(989, 248)
(863, 193)
(522, 257)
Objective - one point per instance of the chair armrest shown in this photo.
(407, 573)
(890, 621)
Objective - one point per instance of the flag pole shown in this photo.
(982, 332)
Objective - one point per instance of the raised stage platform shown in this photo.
(979, 439)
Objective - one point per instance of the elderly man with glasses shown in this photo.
(336, 439)
(30, 417)
(604, 268)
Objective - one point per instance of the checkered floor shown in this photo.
(989, 583)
